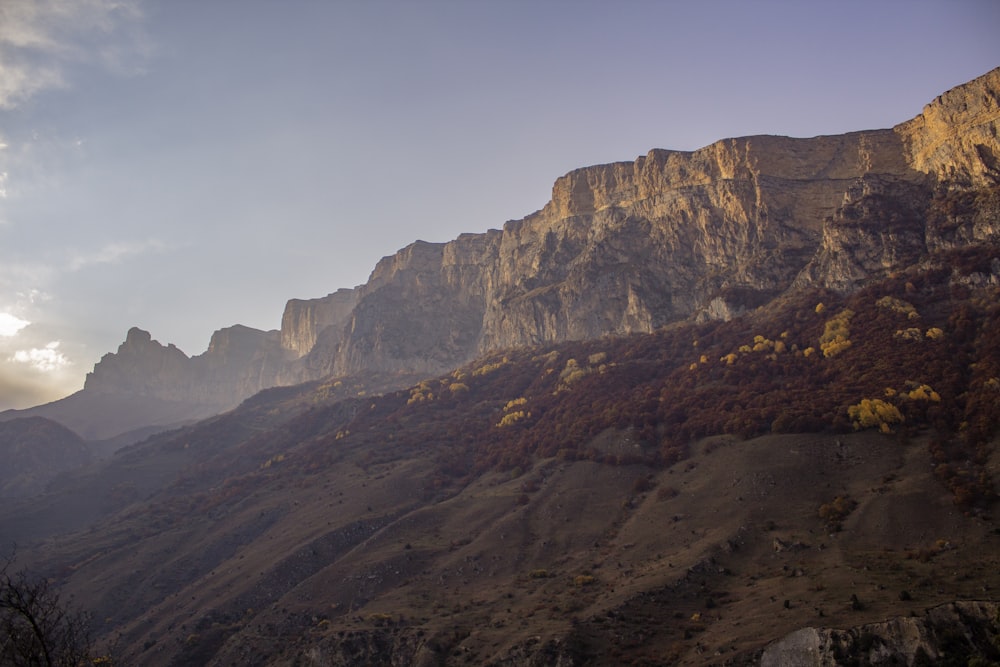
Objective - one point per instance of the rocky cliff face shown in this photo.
(304, 319)
(957, 633)
(421, 310)
(140, 366)
(238, 363)
(955, 137)
(629, 247)
(626, 247)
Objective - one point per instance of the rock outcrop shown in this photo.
(623, 248)
(304, 319)
(955, 137)
(239, 362)
(141, 366)
(957, 633)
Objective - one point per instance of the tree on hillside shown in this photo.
(36, 628)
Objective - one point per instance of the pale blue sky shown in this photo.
(185, 165)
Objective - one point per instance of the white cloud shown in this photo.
(33, 296)
(11, 325)
(40, 39)
(114, 253)
(45, 359)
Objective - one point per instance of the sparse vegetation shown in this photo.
(874, 413)
(38, 628)
(834, 512)
(836, 332)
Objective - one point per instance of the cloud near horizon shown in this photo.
(33, 373)
(35, 366)
(45, 359)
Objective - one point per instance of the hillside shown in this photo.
(33, 451)
(738, 406)
(455, 522)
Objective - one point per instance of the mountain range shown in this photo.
(620, 248)
(736, 405)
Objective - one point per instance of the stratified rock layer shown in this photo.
(304, 319)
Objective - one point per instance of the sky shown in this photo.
(186, 165)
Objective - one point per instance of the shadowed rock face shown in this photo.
(304, 319)
(238, 360)
(620, 248)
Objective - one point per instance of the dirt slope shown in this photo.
(700, 563)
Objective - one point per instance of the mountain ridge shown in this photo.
(620, 248)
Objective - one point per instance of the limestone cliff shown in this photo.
(141, 366)
(238, 363)
(955, 137)
(305, 319)
(627, 247)
(631, 246)
(421, 310)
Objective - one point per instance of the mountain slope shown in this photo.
(569, 494)
(34, 450)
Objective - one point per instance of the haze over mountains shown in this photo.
(640, 424)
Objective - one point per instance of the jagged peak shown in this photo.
(139, 341)
(137, 337)
(955, 136)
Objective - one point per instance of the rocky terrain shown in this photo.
(731, 406)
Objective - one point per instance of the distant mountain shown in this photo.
(146, 384)
(33, 450)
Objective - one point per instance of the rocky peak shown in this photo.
(955, 136)
(238, 341)
(141, 366)
(239, 362)
(137, 338)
